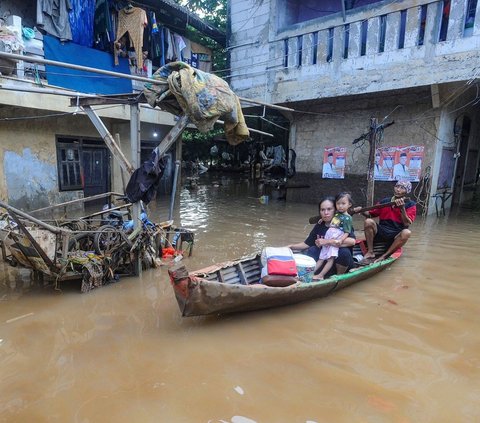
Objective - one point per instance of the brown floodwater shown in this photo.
(402, 347)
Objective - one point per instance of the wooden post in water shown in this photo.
(372, 141)
(135, 151)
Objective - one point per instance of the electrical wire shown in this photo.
(75, 112)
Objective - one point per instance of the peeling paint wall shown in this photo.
(28, 157)
(29, 180)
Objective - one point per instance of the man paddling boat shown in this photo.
(393, 223)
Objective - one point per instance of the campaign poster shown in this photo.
(384, 162)
(334, 159)
(399, 163)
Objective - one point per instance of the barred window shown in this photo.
(69, 168)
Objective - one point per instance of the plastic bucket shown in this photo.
(305, 267)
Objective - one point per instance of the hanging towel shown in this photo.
(132, 21)
(52, 17)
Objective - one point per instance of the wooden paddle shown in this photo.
(315, 219)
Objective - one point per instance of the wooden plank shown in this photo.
(34, 243)
(172, 136)
(32, 219)
(241, 273)
(109, 141)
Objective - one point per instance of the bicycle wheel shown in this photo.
(83, 241)
(106, 239)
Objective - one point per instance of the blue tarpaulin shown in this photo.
(81, 21)
(85, 82)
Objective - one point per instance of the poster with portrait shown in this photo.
(384, 162)
(334, 159)
(398, 163)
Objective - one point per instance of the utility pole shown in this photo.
(372, 141)
(371, 135)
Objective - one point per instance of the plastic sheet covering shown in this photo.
(203, 97)
(11, 40)
(81, 21)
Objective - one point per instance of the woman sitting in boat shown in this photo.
(316, 239)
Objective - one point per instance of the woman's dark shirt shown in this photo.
(319, 231)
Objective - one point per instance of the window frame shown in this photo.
(62, 146)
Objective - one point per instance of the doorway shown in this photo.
(83, 164)
(95, 163)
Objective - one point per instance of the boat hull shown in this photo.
(196, 295)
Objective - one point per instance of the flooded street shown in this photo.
(400, 347)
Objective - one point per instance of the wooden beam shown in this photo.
(172, 136)
(109, 141)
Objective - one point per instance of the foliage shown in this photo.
(197, 145)
(215, 13)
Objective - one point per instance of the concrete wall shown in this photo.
(428, 83)
(28, 156)
(277, 65)
(338, 122)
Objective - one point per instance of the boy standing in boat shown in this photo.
(393, 223)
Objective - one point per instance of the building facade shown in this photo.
(50, 152)
(339, 64)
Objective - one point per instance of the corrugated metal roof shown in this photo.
(184, 16)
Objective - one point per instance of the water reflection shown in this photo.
(401, 347)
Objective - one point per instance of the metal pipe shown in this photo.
(262, 103)
(78, 67)
(31, 59)
(79, 200)
(44, 225)
(250, 129)
(174, 189)
(47, 91)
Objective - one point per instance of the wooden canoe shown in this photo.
(234, 286)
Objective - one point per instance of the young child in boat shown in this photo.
(340, 228)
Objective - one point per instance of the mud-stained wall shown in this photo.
(338, 122)
(417, 122)
(28, 157)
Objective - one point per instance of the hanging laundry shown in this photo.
(132, 20)
(154, 23)
(179, 45)
(170, 49)
(201, 57)
(201, 96)
(104, 32)
(52, 17)
(187, 52)
(81, 19)
(152, 38)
